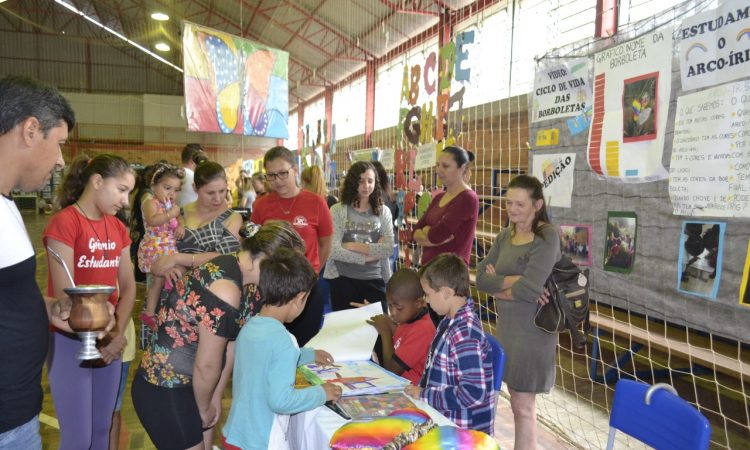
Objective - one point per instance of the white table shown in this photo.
(312, 430)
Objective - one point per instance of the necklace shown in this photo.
(105, 245)
(290, 206)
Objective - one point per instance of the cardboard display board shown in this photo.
(653, 284)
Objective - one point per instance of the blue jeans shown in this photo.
(25, 436)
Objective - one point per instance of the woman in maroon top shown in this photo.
(449, 223)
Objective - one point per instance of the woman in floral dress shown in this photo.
(186, 365)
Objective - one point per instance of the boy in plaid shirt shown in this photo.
(457, 379)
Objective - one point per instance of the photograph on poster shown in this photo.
(639, 105)
(576, 243)
(701, 246)
(619, 248)
(745, 285)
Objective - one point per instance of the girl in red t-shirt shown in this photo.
(96, 247)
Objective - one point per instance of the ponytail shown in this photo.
(81, 170)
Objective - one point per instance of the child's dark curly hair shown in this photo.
(350, 186)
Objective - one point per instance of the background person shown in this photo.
(362, 242)
(188, 193)
(309, 215)
(514, 272)
(313, 180)
(450, 222)
(95, 246)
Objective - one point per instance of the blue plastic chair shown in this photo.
(498, 361)
(657, 416)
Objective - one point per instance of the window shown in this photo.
(293, 128)
(314, 112)
(349, 107)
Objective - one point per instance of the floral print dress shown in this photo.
(169, 355)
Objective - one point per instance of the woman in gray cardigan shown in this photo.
(514, 272)
(362, 241)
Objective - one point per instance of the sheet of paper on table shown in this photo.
(346, 335)
(374, 406)
(355, 377)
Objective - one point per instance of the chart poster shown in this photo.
(561, 90)
(745, 285)
(576, 243)
(715, 46)
(701, 248)
(426, 156)
(710, 162)
(556, 171)
(388, 158)
(233, 85)
(363, 155)
(632, 83)
(620, 240)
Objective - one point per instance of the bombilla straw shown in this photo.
(62, 262)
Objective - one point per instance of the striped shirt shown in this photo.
(457, 380)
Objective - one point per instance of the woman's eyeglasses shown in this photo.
(281, 175)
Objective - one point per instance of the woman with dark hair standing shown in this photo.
(514, 272)
(449, 224)
(310, 216)
(187, 362)
(362, 240)
(211, 227)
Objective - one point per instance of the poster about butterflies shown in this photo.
(233, 85)
(632, 83)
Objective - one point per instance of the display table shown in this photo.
(312, 430)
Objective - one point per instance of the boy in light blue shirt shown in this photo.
(266, 358)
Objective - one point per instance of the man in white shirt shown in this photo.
(34, 123)
(188, 194)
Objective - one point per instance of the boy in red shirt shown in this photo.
(407, 331)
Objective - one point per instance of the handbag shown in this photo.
(568, 307)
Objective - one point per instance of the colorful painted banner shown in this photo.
(561, 90)
(234, 86)
(715, 46)
(626, 138)
(556, 170)
(710, 162)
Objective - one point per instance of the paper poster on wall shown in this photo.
(576, 243)
(556, 171)
(387, 158)
(362, 155)
(561, 90)
(701, 248)
(632, 83)
(620, 240)
(425, 156)
(233, 85)
(715, 46)
(547, 137)
(710, 158)
(745, 285)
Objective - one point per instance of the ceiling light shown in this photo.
(162, 47)
(160, 16)
(75, 10)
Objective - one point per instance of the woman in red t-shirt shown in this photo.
(95, 245)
